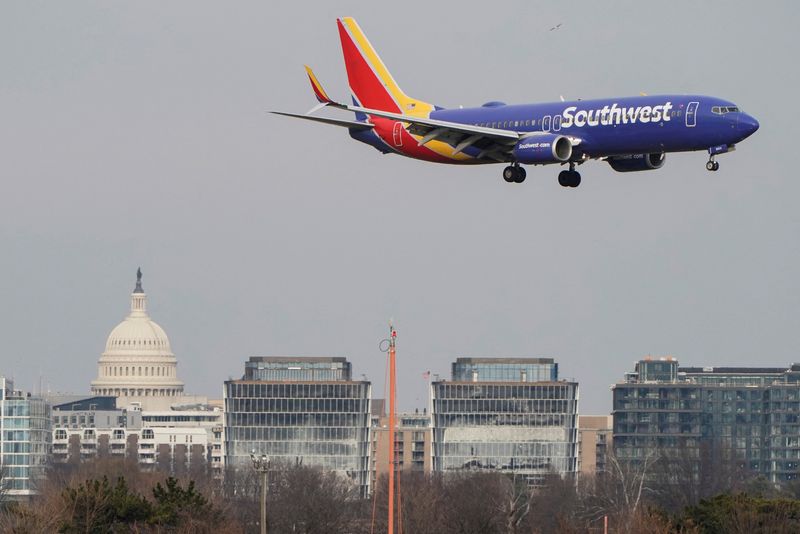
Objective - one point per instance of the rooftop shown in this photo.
(526, 361)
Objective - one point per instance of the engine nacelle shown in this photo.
(545, 148)
(637, 162)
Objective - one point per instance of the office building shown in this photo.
(25, 440)
(173, 441)
(299, 410)
(746, 415)
(508, 415)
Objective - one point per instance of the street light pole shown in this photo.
(261, 465)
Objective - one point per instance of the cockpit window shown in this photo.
(721, 110)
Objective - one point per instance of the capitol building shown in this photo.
(138, 366)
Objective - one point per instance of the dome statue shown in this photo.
(138, 363)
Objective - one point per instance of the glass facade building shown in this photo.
(305, 369)
(25, 427)
(505, 370)
(304, 410)
(516, 417)
(747, 414)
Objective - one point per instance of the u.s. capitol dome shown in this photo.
(138, 364)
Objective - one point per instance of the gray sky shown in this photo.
(136, 134)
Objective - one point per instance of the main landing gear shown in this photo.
(570, 178)
(514, 174)
(712, 165)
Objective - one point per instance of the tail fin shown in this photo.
(371, 83)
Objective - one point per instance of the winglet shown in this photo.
(319, 92)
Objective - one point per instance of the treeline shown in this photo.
(109, 495)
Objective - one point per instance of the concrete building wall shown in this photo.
(594, 439)
(412, 445)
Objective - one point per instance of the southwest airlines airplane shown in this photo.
(630, 133)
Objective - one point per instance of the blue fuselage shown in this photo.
(617, 126)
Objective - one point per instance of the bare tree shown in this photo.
(553, 506)
(308, 500)
(619, 493)
(514, 503)
(473, 501)
(422, 504)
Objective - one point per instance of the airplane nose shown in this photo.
(747, 125)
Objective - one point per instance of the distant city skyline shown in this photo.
(137, 135)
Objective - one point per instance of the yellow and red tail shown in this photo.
(319, 92)
(370, 82)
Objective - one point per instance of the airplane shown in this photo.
(630, 133)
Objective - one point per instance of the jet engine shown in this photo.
(545, 148)
(637, 162)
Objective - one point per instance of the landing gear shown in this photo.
(712, 165)
(514, 174)
(570, 178)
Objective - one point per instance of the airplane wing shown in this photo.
(336, 122)
(494, 143)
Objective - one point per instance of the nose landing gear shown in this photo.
(514, 174)
(712, 165)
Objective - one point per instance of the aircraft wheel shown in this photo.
(712, 165)
(509, 174)
(521, 175)
(716, 165)
(564, 178)
(576, 179)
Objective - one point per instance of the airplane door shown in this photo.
(691, 114)
(397, 134)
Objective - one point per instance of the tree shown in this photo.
(473, 501)
(742, 514)
(174, 505)
(514, 503)
(97, 507)
(422, 503)
(619, 492)
(553, 506)
(309, 500)
(683, 476)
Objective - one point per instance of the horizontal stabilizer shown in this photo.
(336, 122)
